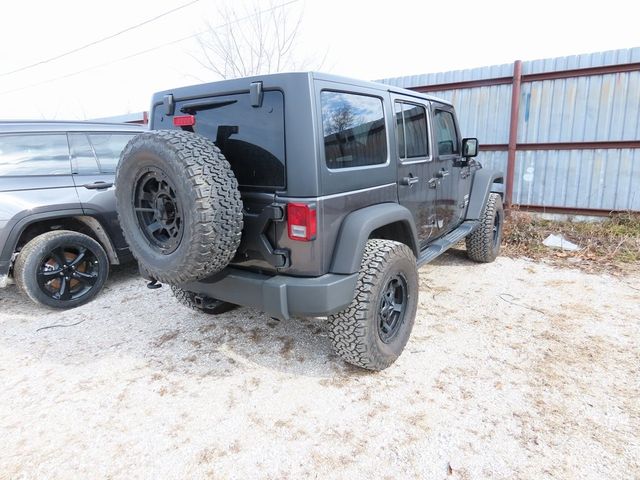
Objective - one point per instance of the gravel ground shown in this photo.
(515, 370)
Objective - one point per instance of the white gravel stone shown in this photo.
(515, 369)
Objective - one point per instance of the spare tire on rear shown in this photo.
(178, 205)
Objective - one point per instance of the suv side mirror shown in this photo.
(469, 147)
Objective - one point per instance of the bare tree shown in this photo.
(259, 38)
(340, 119)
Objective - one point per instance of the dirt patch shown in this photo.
(515, 369)
(611, 245)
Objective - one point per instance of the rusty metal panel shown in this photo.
(590, 179)
(494, 160)
(582, 109)
(483, 112)
(590, 108)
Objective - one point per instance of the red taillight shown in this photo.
(184, 120)
(302, 222)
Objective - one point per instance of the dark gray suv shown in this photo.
(58, 224)
(306, 194)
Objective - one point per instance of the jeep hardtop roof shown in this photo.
(19, 126)
(279, 80)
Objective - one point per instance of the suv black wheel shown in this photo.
(372, 332)
(483, 245)
(179, 205)
(207, 305)
(61, 269)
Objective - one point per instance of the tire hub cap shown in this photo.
(67, 273)
(392, 308)
(158, 212)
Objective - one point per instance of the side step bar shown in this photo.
(438, 247)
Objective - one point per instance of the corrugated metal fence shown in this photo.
(566, 131)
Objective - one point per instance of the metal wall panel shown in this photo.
(577, 109)
(603, 179)
(580, 109)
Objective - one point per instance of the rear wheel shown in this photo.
(61, 269)
(483, 245)
(179, 205)
(373, 331)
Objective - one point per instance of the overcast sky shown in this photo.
(362, 39)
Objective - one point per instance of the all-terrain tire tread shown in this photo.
(214, 235)
(480, 247)
(348, 328)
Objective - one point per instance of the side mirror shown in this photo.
(469, 147)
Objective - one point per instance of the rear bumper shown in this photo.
(279, 296)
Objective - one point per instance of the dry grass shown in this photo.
(612, 245)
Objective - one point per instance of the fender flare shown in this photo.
(482, 186)
(357, 227)
(76, 214)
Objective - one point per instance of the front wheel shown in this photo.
(372, 332)
(483, 245)
(61, 269)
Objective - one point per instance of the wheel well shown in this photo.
(75, 224)
(498, 187)
(397, 231)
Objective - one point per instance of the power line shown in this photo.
(142, 52)
(95, 42)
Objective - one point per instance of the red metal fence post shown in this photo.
(513, 132)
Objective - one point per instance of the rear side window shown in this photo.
(445, 133)
(39, 154)
(83, 160)
(354, 131)
(411, 121)
(108, 147)
(251, 139)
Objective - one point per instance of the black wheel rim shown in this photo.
(68, 272)
(497, 227)
(393, 306)
(158, 212)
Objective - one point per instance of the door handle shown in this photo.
(98, 185)
(409, 180)
(443, 173)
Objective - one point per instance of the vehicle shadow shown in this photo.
(152, 331)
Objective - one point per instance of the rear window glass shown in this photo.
(354, 131)
(251, 138)
(39, 154)
(108, 147)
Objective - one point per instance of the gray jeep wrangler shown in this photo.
(305, 194)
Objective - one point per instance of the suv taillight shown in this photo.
(184, 120)
(302, 222)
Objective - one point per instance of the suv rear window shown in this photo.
(353, 128)
(108, 147)
(252, 139)
(39, 154)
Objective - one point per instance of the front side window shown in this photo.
(411, 121)
(353, 129)
(108, 147)
(446, 134)
(38, 154)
